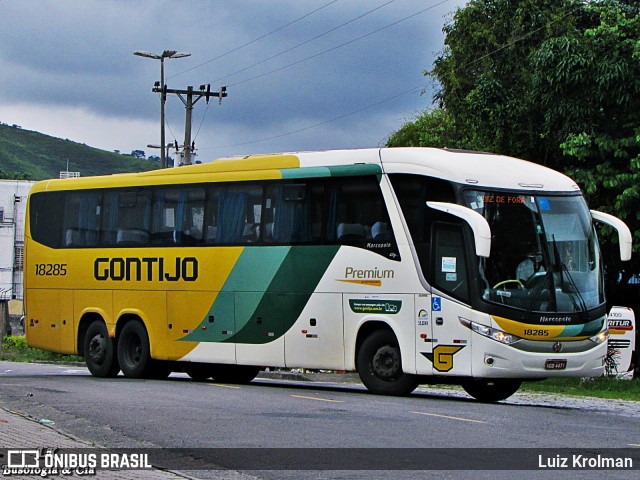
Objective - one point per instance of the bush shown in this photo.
(15, 349)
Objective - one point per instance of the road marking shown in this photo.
(317, 398)
(223, 386)
(634, 444)
(450, 418)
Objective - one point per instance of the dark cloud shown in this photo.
(80, 54)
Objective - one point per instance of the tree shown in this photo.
(588, 85)
(433, 128)
(554, 81)
(14, 175)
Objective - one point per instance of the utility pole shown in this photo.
(191, 99)
(159, 86)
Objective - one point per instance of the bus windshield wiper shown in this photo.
(548, 282)
(562, 269)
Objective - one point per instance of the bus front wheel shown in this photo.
(379, 365)
(100, 351)
(134, 353)
(491, 390)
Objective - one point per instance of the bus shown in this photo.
(408, 265)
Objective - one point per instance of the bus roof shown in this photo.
(463, 167)
(459, 166)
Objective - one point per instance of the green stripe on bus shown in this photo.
(288, 293)
(264, 295)
(334, 171)
(588, 329)
(252, 273)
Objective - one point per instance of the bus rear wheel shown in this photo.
(134, 353)
(100, 351)
(379, 365)
(490, 390)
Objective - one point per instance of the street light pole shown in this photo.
(161, 57)
(166, 149)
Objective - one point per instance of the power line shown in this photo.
(335, 119)
(257, 39)
(201, 122)
(305, 42)
(349, 42)
(405, 92)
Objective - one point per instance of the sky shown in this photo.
(300, 74)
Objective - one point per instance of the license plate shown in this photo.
(555, 364)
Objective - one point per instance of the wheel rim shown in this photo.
(98, 349)
(386, 362)
(134, 350)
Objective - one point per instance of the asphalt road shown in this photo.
(276, 413)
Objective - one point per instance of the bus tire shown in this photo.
(241, 374)
(134, 353)
(100, 351)
(379, 365)
(490, 390)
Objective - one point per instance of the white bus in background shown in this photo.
(622, 354)
(407, 265)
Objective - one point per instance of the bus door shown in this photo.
(260, 331)
(451, 349)
(317, 337)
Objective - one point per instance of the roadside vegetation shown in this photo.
(602, 387)
(15, 349)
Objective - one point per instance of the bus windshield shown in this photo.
(544, 252)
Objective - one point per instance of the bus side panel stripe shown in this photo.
(253, 272)
(288, 293)
(272, 283)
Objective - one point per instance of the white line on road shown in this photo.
(449, 417)
(317, 398)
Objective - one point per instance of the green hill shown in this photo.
(36, 156)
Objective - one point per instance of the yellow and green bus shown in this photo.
(408, 265)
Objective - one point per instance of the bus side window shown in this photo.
(238, 214)
(81, 219)
(293, 213)
(210, 222)
(357, 212)
(413, 192)
(449, 267)
(46, 218)
(178, 216)
(127, 217)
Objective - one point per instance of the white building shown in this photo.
(13, 206)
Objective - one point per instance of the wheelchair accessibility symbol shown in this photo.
(436, 304)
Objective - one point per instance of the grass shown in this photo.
(601, 387)
(15, 349)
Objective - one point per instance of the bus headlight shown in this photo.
(600, 337)
(492, 333)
